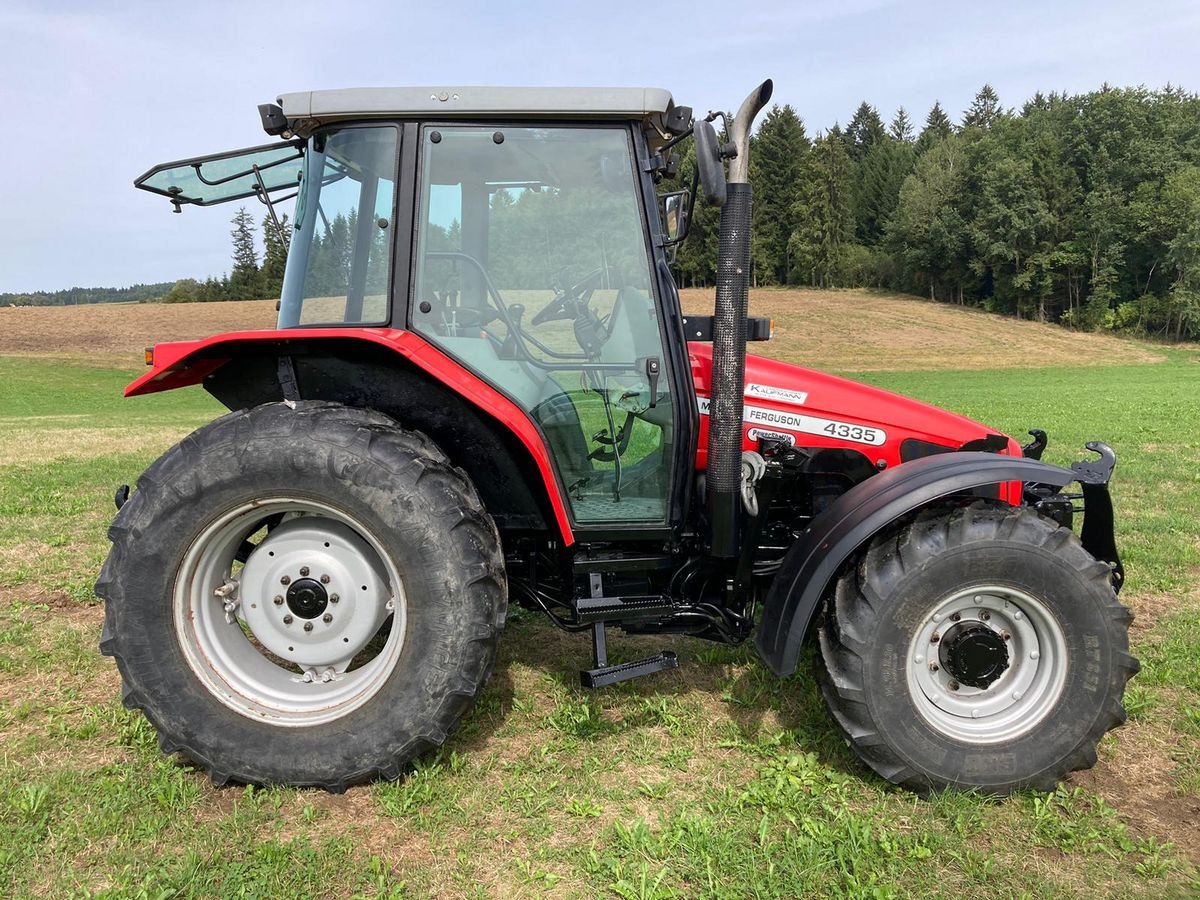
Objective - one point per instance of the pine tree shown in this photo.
(824, 221)
(901, 128)
(276, 239)
(244, 282)
(775, 161)
(864, 131)
(984, 111)
(937, 127)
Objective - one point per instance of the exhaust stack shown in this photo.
(724, 475)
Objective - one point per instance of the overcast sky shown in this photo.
(96, 92)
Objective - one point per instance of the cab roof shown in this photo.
(306, 109)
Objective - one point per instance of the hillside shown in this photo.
(849, 330)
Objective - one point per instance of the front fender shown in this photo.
(832, 538)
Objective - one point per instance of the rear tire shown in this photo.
(253, 698)
(981, 648)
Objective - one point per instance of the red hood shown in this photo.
(822, 410)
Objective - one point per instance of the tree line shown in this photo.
(79, 296)
(1081, 209)
(251, 277)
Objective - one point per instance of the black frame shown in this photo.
(197, 161)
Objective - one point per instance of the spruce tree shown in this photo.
(276, 239)
(776, 160)
(984, 111)
(901, 128)
(244, 282)
(937, 127)
(864, 131)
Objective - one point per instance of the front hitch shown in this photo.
(1099, 523)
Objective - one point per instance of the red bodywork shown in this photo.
(811, 408)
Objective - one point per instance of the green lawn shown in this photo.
(717, 780)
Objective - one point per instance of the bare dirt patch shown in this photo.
(122, 328)
(856, 330)
(851, 330)
(1138, 781)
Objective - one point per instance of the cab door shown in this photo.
(533, 269)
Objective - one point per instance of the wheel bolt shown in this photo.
(287, 620)
(324, 579)
(935, 638)
(1005, 636)
(953, 685)
(278, 600)
(955, 618)
(308, 626)
(933, 667)
(327, 618)
(304, 570)
(334, 598)
(985, 615)
(285, 580)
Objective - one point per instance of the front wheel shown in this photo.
(981, 648)
(303, 595)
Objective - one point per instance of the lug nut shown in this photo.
(327, 618)
(285, 580)
(324, 579)
(955, 618)
(278, 600)
(1005, 636)
(304, 570)
(936, 637)
(953, 685)
(334, 598)
(933, 667)
(287, 620)
(308, 626)
(985, 615)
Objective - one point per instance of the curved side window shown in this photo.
(341, 251)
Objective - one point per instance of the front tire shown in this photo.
(981, 648)
(303, 594)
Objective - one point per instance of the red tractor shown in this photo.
(482, 386)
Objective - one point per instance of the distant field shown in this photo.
(716, 780)
(838, 330)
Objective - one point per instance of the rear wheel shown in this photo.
(981, 648)
(306, 596)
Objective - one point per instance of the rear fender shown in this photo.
(832, 538)
(194, 362)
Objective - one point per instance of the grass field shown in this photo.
(716, 780)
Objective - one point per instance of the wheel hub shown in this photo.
(313, 594)
(986, 664)
(307, 598)
(974, 654)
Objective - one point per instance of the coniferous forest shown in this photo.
(1078, 209)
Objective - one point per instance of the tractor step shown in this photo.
(606, 675)
(617, 609)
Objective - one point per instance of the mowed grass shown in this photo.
(717, 780)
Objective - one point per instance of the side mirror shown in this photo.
(676, 216)
(708, 163)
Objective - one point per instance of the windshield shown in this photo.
(339, 264)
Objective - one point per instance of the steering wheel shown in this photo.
(570, 302)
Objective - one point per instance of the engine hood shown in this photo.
(815, 409)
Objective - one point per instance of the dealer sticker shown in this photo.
(783, 395)
(785, 421)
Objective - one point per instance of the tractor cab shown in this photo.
(528, 249)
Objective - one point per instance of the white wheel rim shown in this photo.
(280, 646)
(1020, 697)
